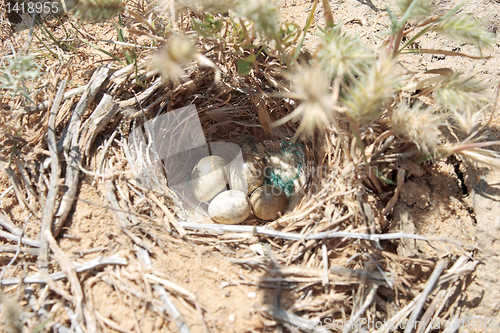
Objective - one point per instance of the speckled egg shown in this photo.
(208, 178)
(248, 176)
(268, 202)
(230, 207)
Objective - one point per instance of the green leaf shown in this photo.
(208, 27)
(383, 178)
(245, 65)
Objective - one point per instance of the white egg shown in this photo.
(247, 176)
(230, 207)
(208, 178)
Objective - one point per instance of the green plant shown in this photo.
(16, 71)
(343, 83)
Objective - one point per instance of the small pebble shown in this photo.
(208, 178)
(268, 202)
(230, 207)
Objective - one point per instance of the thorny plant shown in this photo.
(343, 82)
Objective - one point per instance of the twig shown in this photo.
(171, 309)
(425, 293)
(172, 287)
(40, 310)
(394, 199)
(48, 210)
(97, 122)
(7, 224)
(104, 151)
(143, 95)
(73, 153)
(168, 215)
(73, 317)
(112, 324)
(68, 268)
(94, 263)
(362, 309)
(433, 310)
(120, 214)
(458, 269)
(13, 249)
(4, 193)
(44, 105)
(26, 179)
(15, 183)
(137, 240)
(326, 282)
(24, 240)
(289, 318)
(72, 131)
(18, 250)
(266, 231)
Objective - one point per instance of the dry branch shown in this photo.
(70, 142)
(14, 248)
(459, 269)
(24, 240)
(164, 297)
(266, 231)
(368, 301)
(7, 170)
(121, 215)
(79, 268)
(285, 317)
(171, 309)
(69, 270)
(429, 286)
(97, 122)
(168, 215)
(44, 105)
(50, 201)
(7, 224)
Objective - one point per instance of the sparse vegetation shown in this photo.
(357, 113)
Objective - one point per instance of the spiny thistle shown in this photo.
(171, 8)
(419, 124)
(420, 8)
(484, 156)
(317, 108)
(218, 6)
(379, 86)
(474, 151)
(465, 30)
(174, 7)
(99, 10)
(342, 56)
(263, 13)
(463, 98)
(179, 51)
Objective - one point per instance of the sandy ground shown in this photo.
(452, 199)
